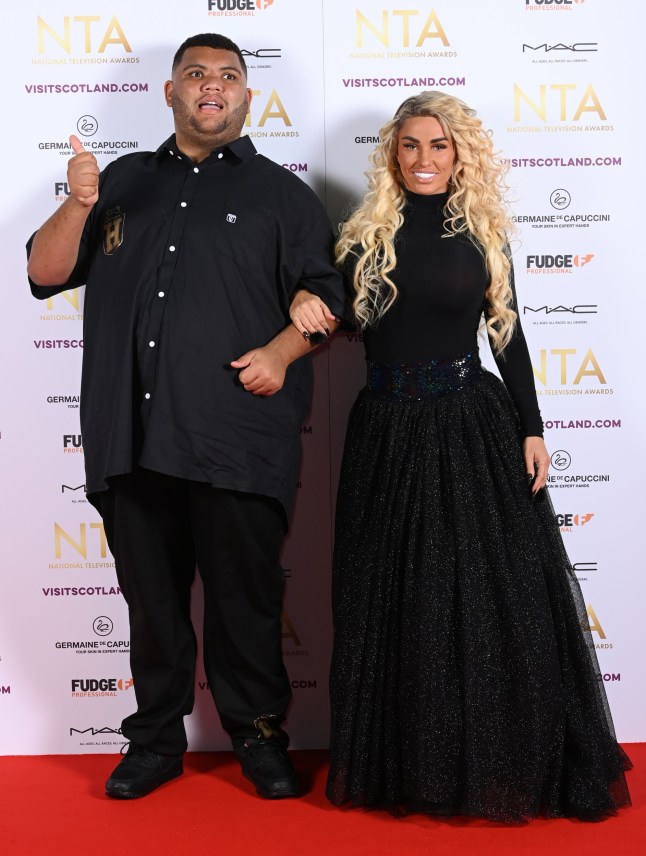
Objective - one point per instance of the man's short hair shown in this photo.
(209, 40)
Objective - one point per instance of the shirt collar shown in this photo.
(242, 149)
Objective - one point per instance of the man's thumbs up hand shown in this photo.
(82, 174)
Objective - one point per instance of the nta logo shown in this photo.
(405, 22)
(81, 545)
(274, 109)
(81, 33)
(563, 106)
(589, 366)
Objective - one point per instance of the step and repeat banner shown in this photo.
(555, 80)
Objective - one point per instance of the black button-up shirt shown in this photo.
(187, 267)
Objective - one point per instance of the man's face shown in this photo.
(209, 97)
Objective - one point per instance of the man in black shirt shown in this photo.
(192, 398)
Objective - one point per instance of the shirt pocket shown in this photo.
(247, 236)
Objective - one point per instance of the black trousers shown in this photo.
(158, 528)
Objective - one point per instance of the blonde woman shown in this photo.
(462, 682)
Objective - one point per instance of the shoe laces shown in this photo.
(135, 751)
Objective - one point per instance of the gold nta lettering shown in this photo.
(432, 28)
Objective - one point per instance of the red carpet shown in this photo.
(55, 805)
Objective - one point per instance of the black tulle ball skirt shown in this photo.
(464, 678)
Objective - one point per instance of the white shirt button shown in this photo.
(151, 344)
(160, 294)
(171, 152)
(147, 395)
(220, 155)
(172, 248)
(195, 169)
(183, 204)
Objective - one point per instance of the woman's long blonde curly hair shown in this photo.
(475, 207)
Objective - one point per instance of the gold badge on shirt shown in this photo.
(113, 230)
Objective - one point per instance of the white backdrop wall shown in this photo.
(554, 79)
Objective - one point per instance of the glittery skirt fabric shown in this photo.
(462, 681)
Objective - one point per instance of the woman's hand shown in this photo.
(537, 461)
(310, 315)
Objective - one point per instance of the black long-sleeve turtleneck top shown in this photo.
(441, 283)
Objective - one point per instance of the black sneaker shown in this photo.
(140, 771)
(265, 762)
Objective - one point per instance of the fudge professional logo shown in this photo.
(61, 191)
(552, 5)
(94, 687)
(238, 8)
(70, 39)
(399, 33)
(559, 263)
(568, 522)
(72, 443)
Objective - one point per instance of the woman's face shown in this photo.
(425, 155)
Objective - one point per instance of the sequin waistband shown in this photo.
(417, 381)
